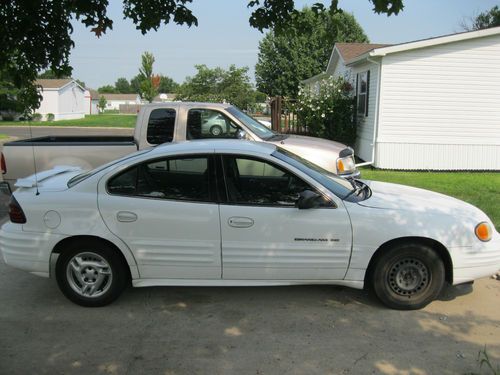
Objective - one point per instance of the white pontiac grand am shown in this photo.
(235, 213)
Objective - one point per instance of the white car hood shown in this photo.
(400, 197)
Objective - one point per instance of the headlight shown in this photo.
(346, 165)
(483, 231)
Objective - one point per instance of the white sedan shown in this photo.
(235, 213)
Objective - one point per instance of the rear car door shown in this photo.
(265, 236)
(165, 211)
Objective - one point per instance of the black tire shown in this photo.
(408, 277)
(94, 259)
(216, 130)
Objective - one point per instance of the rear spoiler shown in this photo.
(31, 181)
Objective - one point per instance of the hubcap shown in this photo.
(216, 130)
(89, 274)
(408, 277)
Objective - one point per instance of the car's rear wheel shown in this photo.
(216, 130)
(91, 274)
(408, 277)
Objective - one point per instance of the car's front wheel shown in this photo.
(91, 274)
(408, 277)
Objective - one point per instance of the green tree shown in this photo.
(149, 81)
(102, 104)
(302, 50)
(484, 20)
(167, 85)
(50, 74)
(106, 89)
(122, 86)
(37, 35)
(135, 84)
(218, 85)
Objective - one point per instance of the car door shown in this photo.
(164, 210)
(265, 236)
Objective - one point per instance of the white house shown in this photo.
(432, 104)
(113, 101)
(64, 98)
(91, 102)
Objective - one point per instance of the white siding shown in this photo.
(71, 102)
(364, 141)
(440, 107)
(49, 103)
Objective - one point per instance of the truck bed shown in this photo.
(109, 140)
(87, 152)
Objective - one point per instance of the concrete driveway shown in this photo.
(269, 330)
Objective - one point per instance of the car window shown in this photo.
(207, 123)
(252, 181)
(161, 126)
(184, 178)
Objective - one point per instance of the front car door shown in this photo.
(265, 236)
(165, 211)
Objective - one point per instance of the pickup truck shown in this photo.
(162, 123)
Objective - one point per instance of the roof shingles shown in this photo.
(349, 51)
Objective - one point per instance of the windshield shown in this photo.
(83, 176)
(337, 185)
(256, 127)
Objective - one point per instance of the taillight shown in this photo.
(16, 213)
(3, 165)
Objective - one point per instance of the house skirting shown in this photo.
(424, 156)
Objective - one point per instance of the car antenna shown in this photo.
(34, 160)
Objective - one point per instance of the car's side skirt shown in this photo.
(221, 282)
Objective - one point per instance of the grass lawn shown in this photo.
(480, 189)
(4, 136)
(104, 120)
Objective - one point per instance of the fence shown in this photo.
(284, 117)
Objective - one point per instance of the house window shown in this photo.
(362, 92)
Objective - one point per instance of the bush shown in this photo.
(36, 117)
(329, 112)
(50, 117)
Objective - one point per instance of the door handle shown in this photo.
(240, 222)
(126, 216)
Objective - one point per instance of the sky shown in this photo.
(224, 36)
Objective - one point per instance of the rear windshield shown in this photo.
(83, 176)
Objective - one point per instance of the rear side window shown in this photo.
(185, 178)
(207, 123)
(161, 126)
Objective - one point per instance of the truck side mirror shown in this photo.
(241, 134)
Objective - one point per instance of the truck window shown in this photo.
(207, 123)
(161, 126)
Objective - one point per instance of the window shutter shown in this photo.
(367, 92)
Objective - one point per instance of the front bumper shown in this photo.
(29, 251)
(477, 261)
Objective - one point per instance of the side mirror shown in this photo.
(241, 134)
(308, 199)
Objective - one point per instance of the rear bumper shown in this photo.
(28, 251)
(5, 188)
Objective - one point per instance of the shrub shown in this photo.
(50, 117)
(329, 111)
(36, 116)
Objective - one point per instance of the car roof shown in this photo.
(217, 145)
(189, 104)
